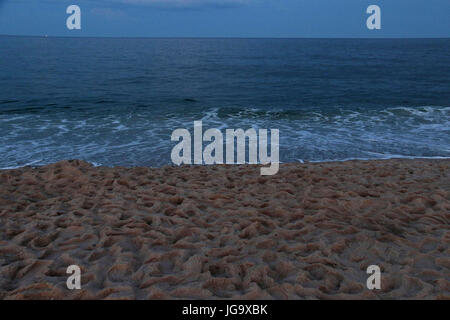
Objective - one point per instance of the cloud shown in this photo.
(108, 13)
(160, 3)
(184, 3)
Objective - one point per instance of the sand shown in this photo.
(219, 232)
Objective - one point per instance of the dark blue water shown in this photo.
(117, 101)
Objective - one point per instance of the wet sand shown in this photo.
(219, 232)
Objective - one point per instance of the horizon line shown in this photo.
(208, 37)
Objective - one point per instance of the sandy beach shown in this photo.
(220, 232)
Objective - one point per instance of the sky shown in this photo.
(227, 18)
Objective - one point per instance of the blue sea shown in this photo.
(114, 101)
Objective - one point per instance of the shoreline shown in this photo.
(226, 232)
(300, 161)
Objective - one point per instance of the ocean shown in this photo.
(115, 102)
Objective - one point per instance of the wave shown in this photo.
(141, 136)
